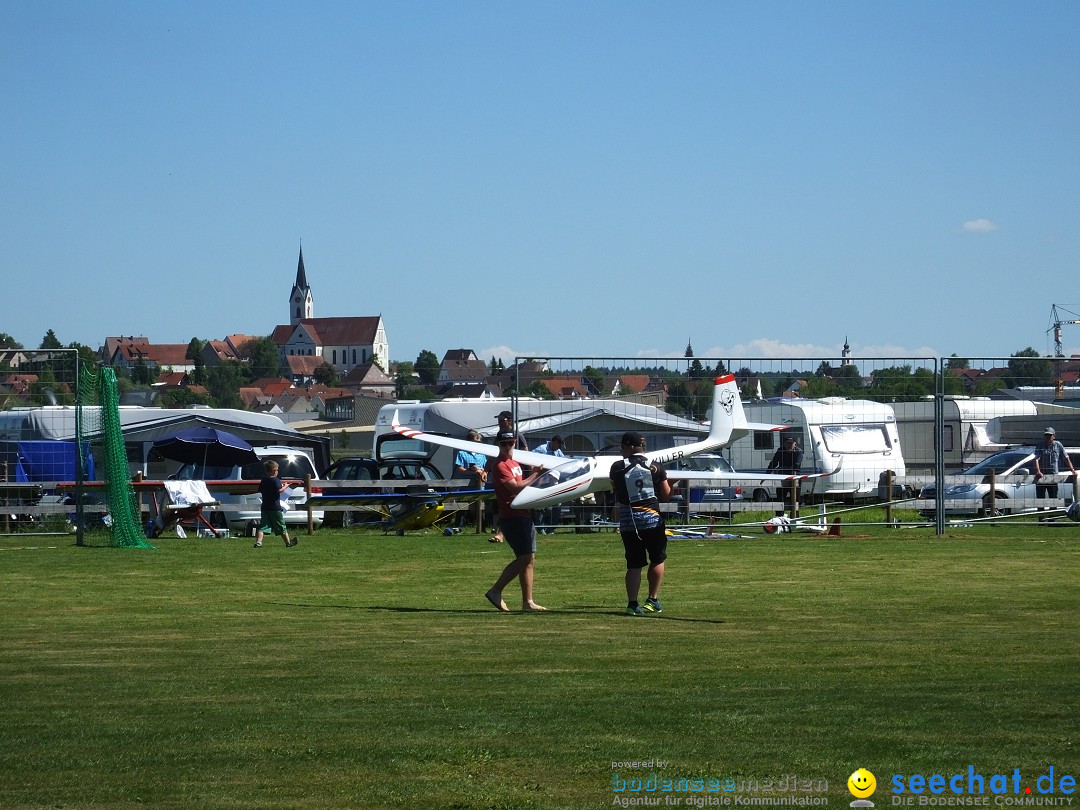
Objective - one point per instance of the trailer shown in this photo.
(965, 438)
(852, 440)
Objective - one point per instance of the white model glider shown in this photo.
(572, 477)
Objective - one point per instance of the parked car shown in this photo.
(293, 464)
(1013, 478)
(368, 470)
(700, 491)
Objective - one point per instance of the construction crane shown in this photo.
(1056, 322)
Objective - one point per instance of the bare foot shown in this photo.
(495, 598)
(532, 607)
(495, 538)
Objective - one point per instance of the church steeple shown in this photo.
(301, 304)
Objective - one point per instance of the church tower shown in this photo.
(301, 304)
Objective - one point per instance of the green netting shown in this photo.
(98, 415)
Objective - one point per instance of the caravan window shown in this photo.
(763, 440)
(855, 438)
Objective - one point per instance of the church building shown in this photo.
(348, 344)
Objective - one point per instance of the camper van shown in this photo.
(587, 426)
(965, 437)
(855, 440)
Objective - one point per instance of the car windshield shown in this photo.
(572, 469)
(288, 467)
(200, 472)
(403, 471)
(998, 463)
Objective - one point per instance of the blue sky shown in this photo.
(549, 179)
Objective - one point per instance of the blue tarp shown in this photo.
(51, 461)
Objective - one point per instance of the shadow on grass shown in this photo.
(570, 610)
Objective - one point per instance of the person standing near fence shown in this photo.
(1048, 459)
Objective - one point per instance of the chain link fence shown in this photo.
(882, 436)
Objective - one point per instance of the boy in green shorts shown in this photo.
(272, 519)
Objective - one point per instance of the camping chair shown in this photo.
(182, 505)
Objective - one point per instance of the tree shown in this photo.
(224, 381)
(595, 377)
(264, 358)
(326, 375)
(955, 363)
(140, 372)
(51, 341)
(181, 398)
(404, 378)
(194, 353)
(538, 390)
(8, 342)
(427, 367)
(1028, 368)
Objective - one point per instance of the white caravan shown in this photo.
(853, 440)
(965, 438)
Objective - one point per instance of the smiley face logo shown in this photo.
(861, 783)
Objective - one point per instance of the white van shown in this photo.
(855, 440)
(293, 464)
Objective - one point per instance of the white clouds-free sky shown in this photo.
(599, 179)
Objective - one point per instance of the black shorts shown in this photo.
(652, 542)
(520, 534)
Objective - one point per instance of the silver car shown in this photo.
(1013, 479)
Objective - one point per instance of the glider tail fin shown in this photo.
(727, 411)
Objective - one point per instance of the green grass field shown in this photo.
(365, 671)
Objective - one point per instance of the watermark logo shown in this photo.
(862, 785)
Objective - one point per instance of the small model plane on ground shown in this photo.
(408, 509)
(572, 477)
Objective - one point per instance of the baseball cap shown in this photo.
(505, 436)
(1049, 432)
(506, 415)
(633, 439)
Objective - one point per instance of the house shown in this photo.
(129, 353)
(342, 342)
(301, 368)
(369, 379)
(20, 384)
(460, 369)
(216, 352)
(569, 387)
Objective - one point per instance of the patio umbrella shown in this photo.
(207, 446)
